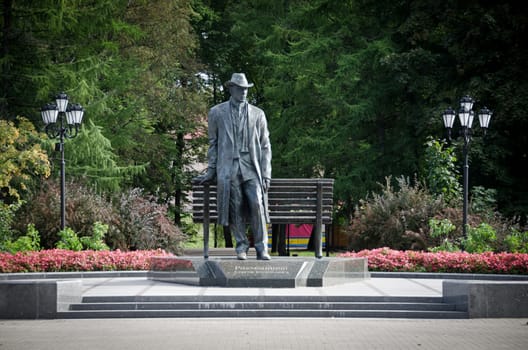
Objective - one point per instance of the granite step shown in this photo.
(220, 305)
(257, 313)
(262, 306)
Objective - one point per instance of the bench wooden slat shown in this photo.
(297, 219)
(197, 214)
(280, 202)
(280, 193)
(281, 218)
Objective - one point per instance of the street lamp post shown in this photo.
(62, 121)
(466, 116)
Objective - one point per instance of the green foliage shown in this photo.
(352, 89)
(442, 229)
(132, 65)
(479, 239)
(483, 201)
(69, 240)
(21, 158)
(91, 156)
(189, 229)
(96, 240)
(173, 98)
(517, 241)
(7, 217)
(91, 70)
(396, 218)
(439, 170)
(28, 242)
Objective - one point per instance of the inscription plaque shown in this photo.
(288, 272)
(258, 273)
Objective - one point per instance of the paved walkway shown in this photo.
(233, 334)
(269, 334)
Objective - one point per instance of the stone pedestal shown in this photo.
(287, 272)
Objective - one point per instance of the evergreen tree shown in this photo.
(92, 157)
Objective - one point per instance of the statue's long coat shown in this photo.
(221, 152)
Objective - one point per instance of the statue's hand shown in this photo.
(206, 178)
(266, 184)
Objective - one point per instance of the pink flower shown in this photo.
(386, 259)
(56, 260)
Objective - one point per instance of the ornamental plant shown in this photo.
(96, 240)
(60, 260)
(440, 171)
(7, 217)
(382, 259)
(389, 260)
(398, 217)
(84, 208)
(71, 241)
(144, 224)
(22, 160)
(442, 230)
(479, 239)
(29, 242)
(517, 241)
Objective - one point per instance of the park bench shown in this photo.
(290, 201)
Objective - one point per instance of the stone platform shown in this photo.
(279, 272)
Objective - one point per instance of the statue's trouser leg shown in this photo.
(253, 195)
(236, 219)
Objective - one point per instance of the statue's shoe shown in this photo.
(263, 256)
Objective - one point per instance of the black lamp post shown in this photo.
(466, 116)
(62, 121)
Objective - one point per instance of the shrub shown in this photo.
(84, 207)
(395, 218)
(134, 220)
(69, 240)
(144, 224)
(440, 171)
(7, 217)
(479, 239)
(29, 242)
(190, 230)
(96, 240)
(517, 241)
(483, 201)
(442, 229)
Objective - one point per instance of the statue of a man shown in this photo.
(239, 156)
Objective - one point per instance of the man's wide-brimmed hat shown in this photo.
(238, 79)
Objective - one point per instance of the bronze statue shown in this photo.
(239, 157)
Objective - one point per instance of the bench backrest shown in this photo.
(290, 201)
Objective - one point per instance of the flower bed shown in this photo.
(58, 260)
(388, 260)
(382, 259)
